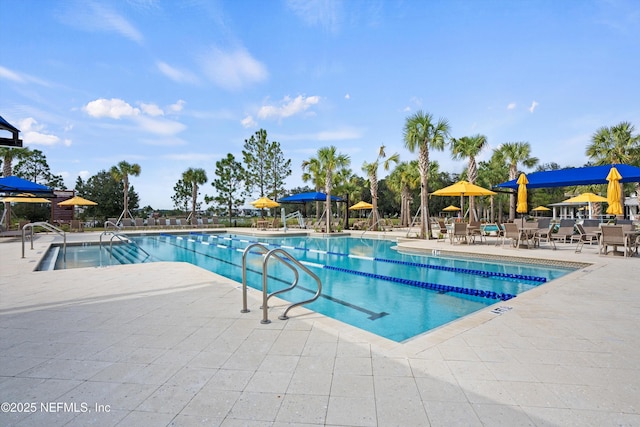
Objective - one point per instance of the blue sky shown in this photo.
(177, 84)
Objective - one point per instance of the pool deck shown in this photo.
(165, 344)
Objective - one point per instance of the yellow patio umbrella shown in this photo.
(265, 202)
(451, 208)
(24, 198)
(463, 188)
(587, 198)
(541, 209)
(360, 206)
(522, 194)
(613, 192)
(77, 201)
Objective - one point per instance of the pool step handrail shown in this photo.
(124, 239)
(49, 227)
(286, 259)
(114, 224)
(379, 221)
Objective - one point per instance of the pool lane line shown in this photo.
(473, 272)
(481, 293)
(372, 314)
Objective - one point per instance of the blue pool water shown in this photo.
(366, 283)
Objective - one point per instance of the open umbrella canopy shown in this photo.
(522, 194)
(541, 209)
(24, 199)
(463, 188)
(14, 184)
(451, 208)
(265, 202)
(77, 201)
(360, 206)
(613, 192)
(314, 196)
(586, 198)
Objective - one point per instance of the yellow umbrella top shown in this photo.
(451, 208)
(522, 194)
(265, 202)
(463, 188)
(586, 198)
(77, 201)
(23, 199)
(361, 205)
(541, 208)
(613, 192)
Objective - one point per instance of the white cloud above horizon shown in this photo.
(36, 134)
(233, 70)
(288, 107)
(92, 16)
(533, 107)
(176, 74)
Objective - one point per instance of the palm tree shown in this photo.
(513, 154)
(420, 133)
(194, 177)
(121, 173)
(616, 145)
(312, 172)
(346, 183)
(8, 156)
(468, 147)
(371, 169)
(404, 179)
(330, 163)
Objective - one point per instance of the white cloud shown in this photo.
(151, 109)
(511, 106)
(177, 107)
(159, 127)
(175, 74)
(17, 77)
(248, 122)
(84, 174)
(35, 134)
(324, 13)
(92, 16)
(288, 107)
(347, 96)
(67, 142)
(233, 70)
(533, 107)
(113, 108)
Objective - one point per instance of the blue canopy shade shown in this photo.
(13, 184)
(314, 196)
(576, 176)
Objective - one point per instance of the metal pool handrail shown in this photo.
(49, 227)
(123, 238)
(282, 256)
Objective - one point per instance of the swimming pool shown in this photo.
(366, 283)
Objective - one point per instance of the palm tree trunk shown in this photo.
(423, 165)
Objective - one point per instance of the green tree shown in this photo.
(616, 145)
(279, 171)
(193, 178)
(371, 169)
(422, 134)
(491, 173)
(468, 147)
(312, 172)
(515, 153)
(34, 167)
(107, 193)
(330, 163)
(229, 184)
(181, 195)
(121, 172)
(404, 179)
(8, 155)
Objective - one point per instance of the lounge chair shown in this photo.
(583, 237)
(613, 235)
(565, 230)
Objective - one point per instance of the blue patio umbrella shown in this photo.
(314, 196)
(14, 184)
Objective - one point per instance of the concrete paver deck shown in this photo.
(166, 344)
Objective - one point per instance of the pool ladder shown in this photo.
(123, 238)
(286, 259)
(48, 227)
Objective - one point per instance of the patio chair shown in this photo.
(583, 237)
(460, 233)
(76, 225)
(565, 230)
(544, 233)
(516, 234)
(613, 235)
(475, 230)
